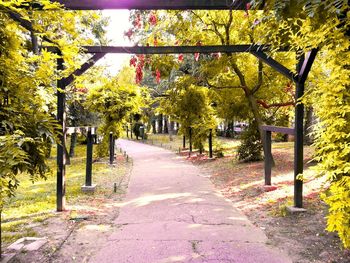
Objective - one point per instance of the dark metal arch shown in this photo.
(303, 68)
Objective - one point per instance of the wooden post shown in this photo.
(299, 141)
(89, 150)
(61, 153)
(267, 159)
(127, 131)
(190, 139)
(184, 142)
(111, 148)
(210, 143)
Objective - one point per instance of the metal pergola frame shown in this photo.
(155, 4)
(303, 68)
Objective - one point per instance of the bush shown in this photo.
(251, 147)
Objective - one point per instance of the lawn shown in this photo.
(175, 143)
(35, 202)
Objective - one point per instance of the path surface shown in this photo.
(173, 214)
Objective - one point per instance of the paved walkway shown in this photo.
(173, 214)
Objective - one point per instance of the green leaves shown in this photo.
(28, 83)
(116, 101)
(13, 159)
(190, 105)
(308, 24)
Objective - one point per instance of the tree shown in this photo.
(190, 105)
(323, 25)
(27, 84)
(116, 100)
(77, 113)
(243, 74)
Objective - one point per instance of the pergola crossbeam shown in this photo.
(148, 50)
(307, 64)
(83, 68)
(155, 4)
(274, 64)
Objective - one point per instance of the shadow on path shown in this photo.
(173, 214)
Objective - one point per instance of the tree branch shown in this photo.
(211, 86)
(218, 33)
(214, 24)
(260, 77)
(240, 76)
(227, 27)
(282, 104)
(201, 19)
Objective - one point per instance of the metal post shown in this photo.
(190, 139)
(113, 145)
(184, 142)
(61, 153)
(299, 141)
(89, 150)
(268, 155)
(210, 143)
(111, 148)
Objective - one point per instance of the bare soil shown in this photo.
(302, 236)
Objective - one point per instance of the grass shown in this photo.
(35, 202)
(175, 143)
(228, 146)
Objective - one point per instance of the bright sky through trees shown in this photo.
(119, 23)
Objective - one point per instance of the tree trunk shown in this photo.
(171, 130)
(231, 128)
(308, 139)
(160, 123)
(67, 155)
(177, 127)
(73, 142)
(225, 128)
(154, 130)
(35, 45)
(171, 127)
(166, 122)
(254, 107)
(48, 149)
